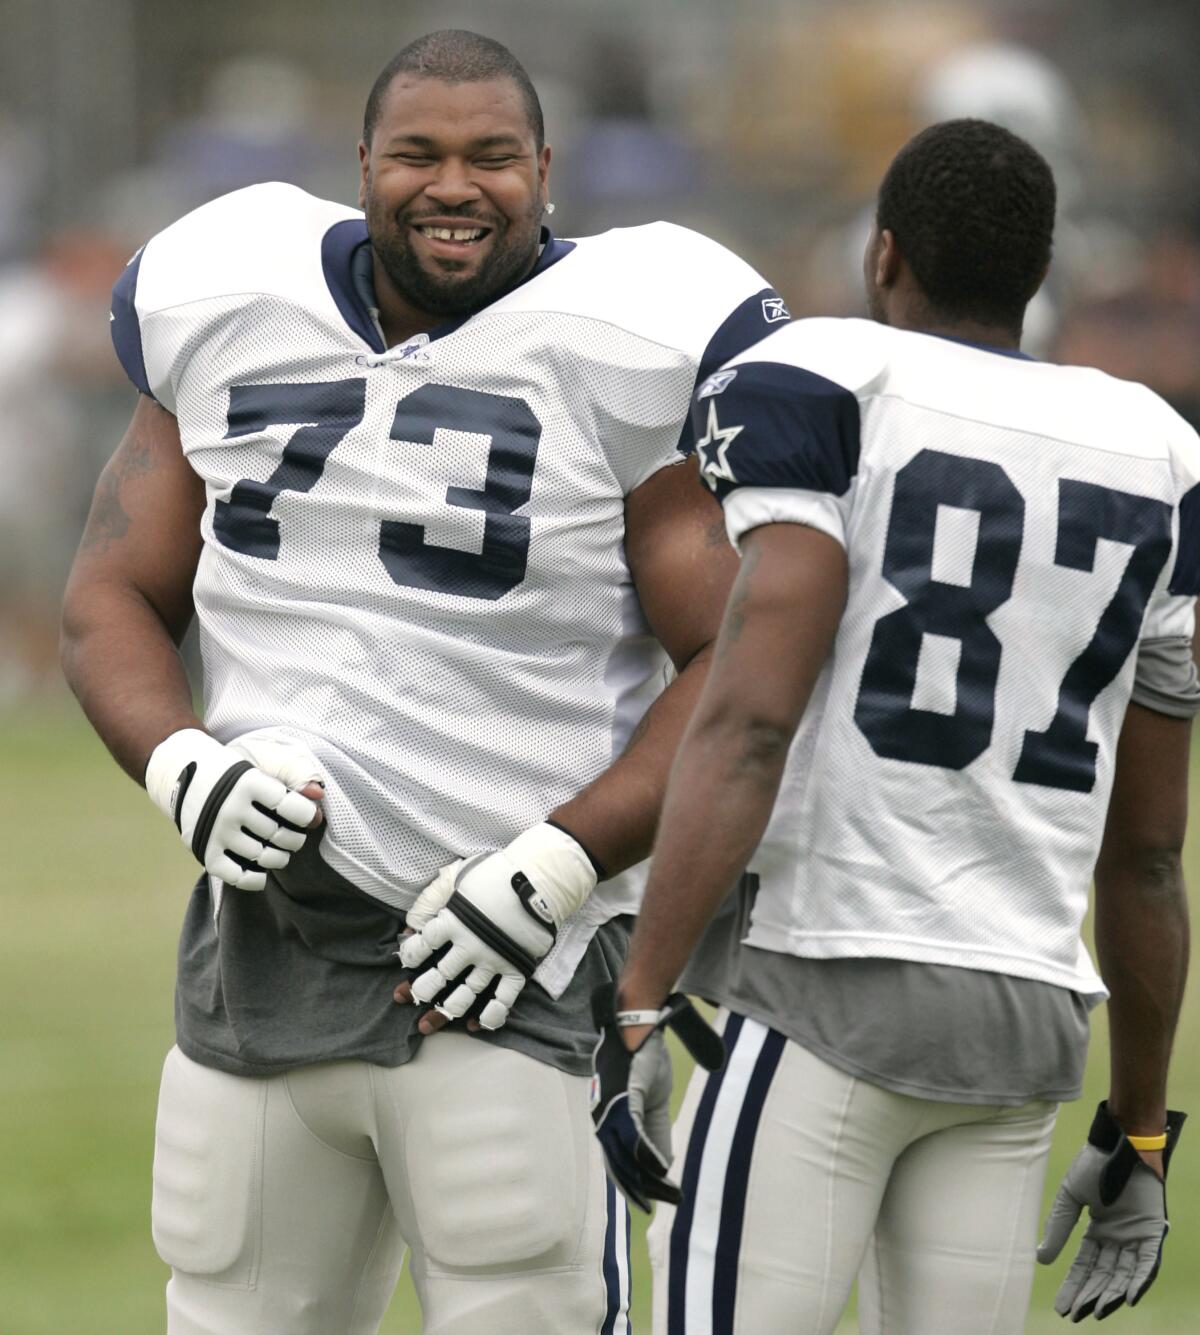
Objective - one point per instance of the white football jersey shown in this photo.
(413, 557)
(1012, 529)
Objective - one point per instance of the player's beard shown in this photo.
(512, 255)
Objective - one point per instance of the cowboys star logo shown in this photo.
(714, 466)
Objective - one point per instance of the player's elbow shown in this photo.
(749, 731)
(767, 740)
(73, 626)
(1151, 871)
(73, 645)
(758, 748)
(91, 608)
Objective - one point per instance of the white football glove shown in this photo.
(498, 915)
(430, 902)
(239, 820)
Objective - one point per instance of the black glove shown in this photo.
(631, 1091)
(1121, 1248)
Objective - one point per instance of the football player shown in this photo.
(954, 672)
(418, 473)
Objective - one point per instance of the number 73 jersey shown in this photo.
(413, 557)
(1013, 530)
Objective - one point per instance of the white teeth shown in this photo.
(452, 234)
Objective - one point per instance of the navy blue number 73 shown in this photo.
(1060, 756)
(325, 412)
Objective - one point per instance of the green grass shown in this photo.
(93, 888)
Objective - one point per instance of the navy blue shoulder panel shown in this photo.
(337, 254)
(124, 328)
(1185, 578)
(767, 424)
(741, 329)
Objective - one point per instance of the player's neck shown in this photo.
(967, 331)
(399, 318)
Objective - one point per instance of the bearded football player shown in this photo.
(420, 474)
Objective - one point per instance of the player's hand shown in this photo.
(429, 903)
(434, 898)
(498, 921)
(282, 758)
(631, 1091)
(1121, 1248)
(237, 819)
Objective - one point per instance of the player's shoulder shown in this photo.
(659, 281)
(264, 238)
(850, 352)
(1160, 416)
(662, 253)
(1132, 411)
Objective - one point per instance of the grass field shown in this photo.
(93, 886)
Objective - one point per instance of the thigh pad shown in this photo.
(500, 1180)
(208, 1172)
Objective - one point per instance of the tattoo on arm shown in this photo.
(715, 535)
(735, 613)
(108, 521)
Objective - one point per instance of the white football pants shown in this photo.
(283, 1205)
(797, 1176)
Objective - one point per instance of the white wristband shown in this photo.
(632, 1019)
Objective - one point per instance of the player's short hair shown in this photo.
(971, 206)
(455, 55)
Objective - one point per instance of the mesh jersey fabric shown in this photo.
(1012, 529)
(413, 559)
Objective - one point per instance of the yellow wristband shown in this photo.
(1148, 1142)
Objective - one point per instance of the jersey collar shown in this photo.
(347, 262)
(985, 347)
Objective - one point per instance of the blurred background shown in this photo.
(766, 124)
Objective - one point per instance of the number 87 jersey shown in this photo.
(1013, 531)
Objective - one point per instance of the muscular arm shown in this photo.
(777, 633)
(1141, 913)
(683, 567)
(129, 596)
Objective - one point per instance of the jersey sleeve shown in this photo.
(125, 328)
(1165, 677)
(750, 320)
(188, 282)
(694, 304)
(777, 444)
(1185, 578)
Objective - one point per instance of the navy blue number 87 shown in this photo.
(327, 411)
(1061, 756)
(933, 607)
